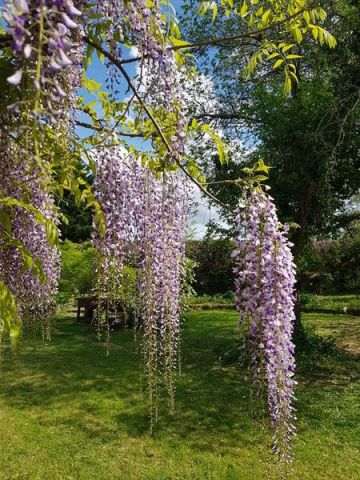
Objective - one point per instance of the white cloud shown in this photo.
(133, 52)
(203, 212)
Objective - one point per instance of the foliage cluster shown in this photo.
(41, 102)
(333, 265)
(214, 270)
(78, 263)
(48, 47)
(342, 303)
(310, 139)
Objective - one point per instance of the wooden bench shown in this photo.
(117, 315)
(89, 304)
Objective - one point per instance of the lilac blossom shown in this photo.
(265, 278)
(162, 250)
(117, 191)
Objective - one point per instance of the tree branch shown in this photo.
(106, 130)
(132, 87)
(220, 42)
(237, 181)
(219, 116)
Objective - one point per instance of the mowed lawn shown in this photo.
(334, 301)
(69, 412)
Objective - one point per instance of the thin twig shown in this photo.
(237, 181)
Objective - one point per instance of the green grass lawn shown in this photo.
(69, 412)
(343, 329)
(333, 301)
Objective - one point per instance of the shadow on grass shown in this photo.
(320, 358)
(101, 395)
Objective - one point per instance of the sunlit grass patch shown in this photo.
(68, 411)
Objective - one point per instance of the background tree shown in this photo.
(214, 265)
(310, 139)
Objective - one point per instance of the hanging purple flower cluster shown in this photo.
(142, 26)
(133, 22)
(146, 222)
(117, 186)
(164, 87)
(34, 285)
(163, 228)
(47, 54)
(45, 37)
(265, 278)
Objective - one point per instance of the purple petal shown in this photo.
(15, 79)
(60, 91)
(55, 66)
(21, 6)
(62, 29)
(18, 43)
(67, 45)
(68, 22)
(71, 9)
(62, 59)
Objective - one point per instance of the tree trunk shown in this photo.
(299, 240)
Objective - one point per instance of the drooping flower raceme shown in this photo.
(46, 36)
(141, 24)
(34, 285)
(117, 189)
(265, 278)
(163, 230)
(134, 23)
(47, 57)
(146, 223)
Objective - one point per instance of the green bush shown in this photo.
(78, 262)
(332, 265)
(308, 299)
(225, 299)
(214, 265)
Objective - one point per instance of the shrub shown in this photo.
(77, 270)
(214, 270)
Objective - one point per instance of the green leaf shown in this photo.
(306, 16)
(244, 9)
(178, 42)
(273, 55)
(287, 47)
(91, 85)
(261, 178)
(287, 85)
(278, 63)
(266, 16)
(214, 12)
(223, 157)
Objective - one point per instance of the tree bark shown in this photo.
(299, 241)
